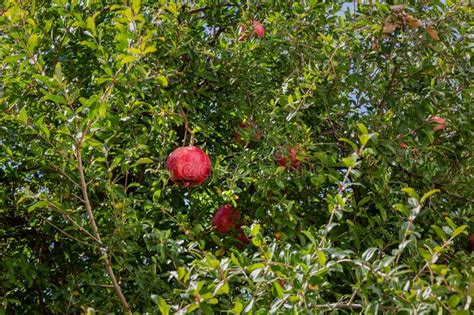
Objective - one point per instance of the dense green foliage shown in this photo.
(376, 217)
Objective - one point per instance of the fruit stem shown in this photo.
(186, 126)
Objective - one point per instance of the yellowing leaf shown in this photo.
(32, 41)
(150, 49)
(128, 59)
(134, 51)
(162, 80)
(428, 194)
(91, 24)
(136, 6)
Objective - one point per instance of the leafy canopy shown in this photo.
(375, 215)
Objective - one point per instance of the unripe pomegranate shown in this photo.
(226, 219)
(288, 158)
(259, 30)
(189, 166)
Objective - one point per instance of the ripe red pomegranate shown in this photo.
(189, 166)
(288, 158)
(258, 28)
(226, 219)
(471, 243)
(403, 145)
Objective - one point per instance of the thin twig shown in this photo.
(389, 88)
(66, 234)
(208, 7)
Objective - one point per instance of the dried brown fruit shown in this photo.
(432, 32)
(389, 27)
(412, 22)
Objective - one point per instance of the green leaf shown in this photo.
(149, 50)
(256, 266)
(134, 51)
(353, 145)
(136, 6)
(411, 192)
(54, 98)
(348, 161)
(90, 22)
(12, 59)
(58, 75)
(363, 129)
(144, 160)
(428, 194)
(402, 208)
(454, 300)
(127, 59)
(255, 229)
(321, 258)
(310, 236)
(23, 116)
(7, 150)
(164, 307)
(162, 80)
(278, 289)
(238, 307)
(39, 204)
(364, 139)
(103, 109)
(221, 288)
(32, 42)
(459, 230)
(217, 240)
(441, 234)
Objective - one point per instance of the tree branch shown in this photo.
(95, 230)
(389, 88)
